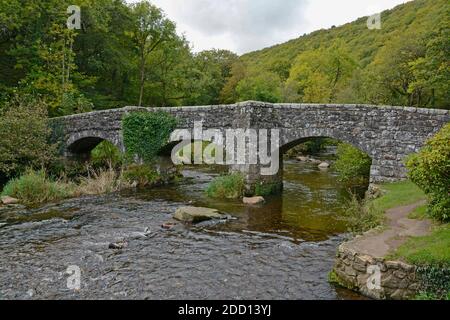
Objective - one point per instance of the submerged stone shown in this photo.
(253, 200)
(197, 214)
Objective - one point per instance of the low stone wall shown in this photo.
(358, 272)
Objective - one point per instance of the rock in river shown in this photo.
(253, 200)
(197, 214)
(9, 200)
(324, 165)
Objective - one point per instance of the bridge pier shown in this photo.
(255, 182)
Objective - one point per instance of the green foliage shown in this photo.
(145, 133)
(262, 87)
(74, 103)
(226, 187)
(435, 281)
(106, 154)
(317, 75)
(127, 54)
(362, 215)
(352, 164)
(141, 175)
(150, 28)
(34, 187)
(267, 189)
(24, 135)
(406, 62)
(430, 170)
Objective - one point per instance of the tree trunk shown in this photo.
(142, 80)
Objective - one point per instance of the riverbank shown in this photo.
(401, 250)
(38, 188)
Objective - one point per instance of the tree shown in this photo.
(318, 75)
(150, 29)
(213, 68)
(24, 136)
(432, 71)
(390, 75)
(265, 86)
(228, 94)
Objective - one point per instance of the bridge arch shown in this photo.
(83, 142)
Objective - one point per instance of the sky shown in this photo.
(247, 25)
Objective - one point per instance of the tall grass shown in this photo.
(35, 187)
(226, 187)
(362, 215)
(101, 181)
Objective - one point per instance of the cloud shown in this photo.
(240, 25)
(247, 25)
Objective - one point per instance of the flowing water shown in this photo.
(282, 250)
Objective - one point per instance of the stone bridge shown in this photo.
(387, 134)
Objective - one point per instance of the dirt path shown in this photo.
(398, 228)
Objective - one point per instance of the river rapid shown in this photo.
(282, 250)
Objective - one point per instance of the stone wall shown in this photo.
(398, 279)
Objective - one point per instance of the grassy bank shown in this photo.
(37, 187)
(398, 194)
(365, 214)
(430, 249)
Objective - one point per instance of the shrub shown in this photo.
(141, 175)
(435, 282)
(145, 133)
(430, 170)
(352, 164)
(34, 187)
(24, 136)
(226, 187)
(106, 155)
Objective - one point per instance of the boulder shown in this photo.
(324, 165)
(303, 159)
(9, 200)
(253, 200)
(197, 214)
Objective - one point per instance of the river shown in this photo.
(283, 250)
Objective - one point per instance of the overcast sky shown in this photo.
(246, 25)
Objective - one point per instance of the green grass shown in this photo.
(420, 213)
(226, 187)
(398, 194)
(35, 187)
(433, 249)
